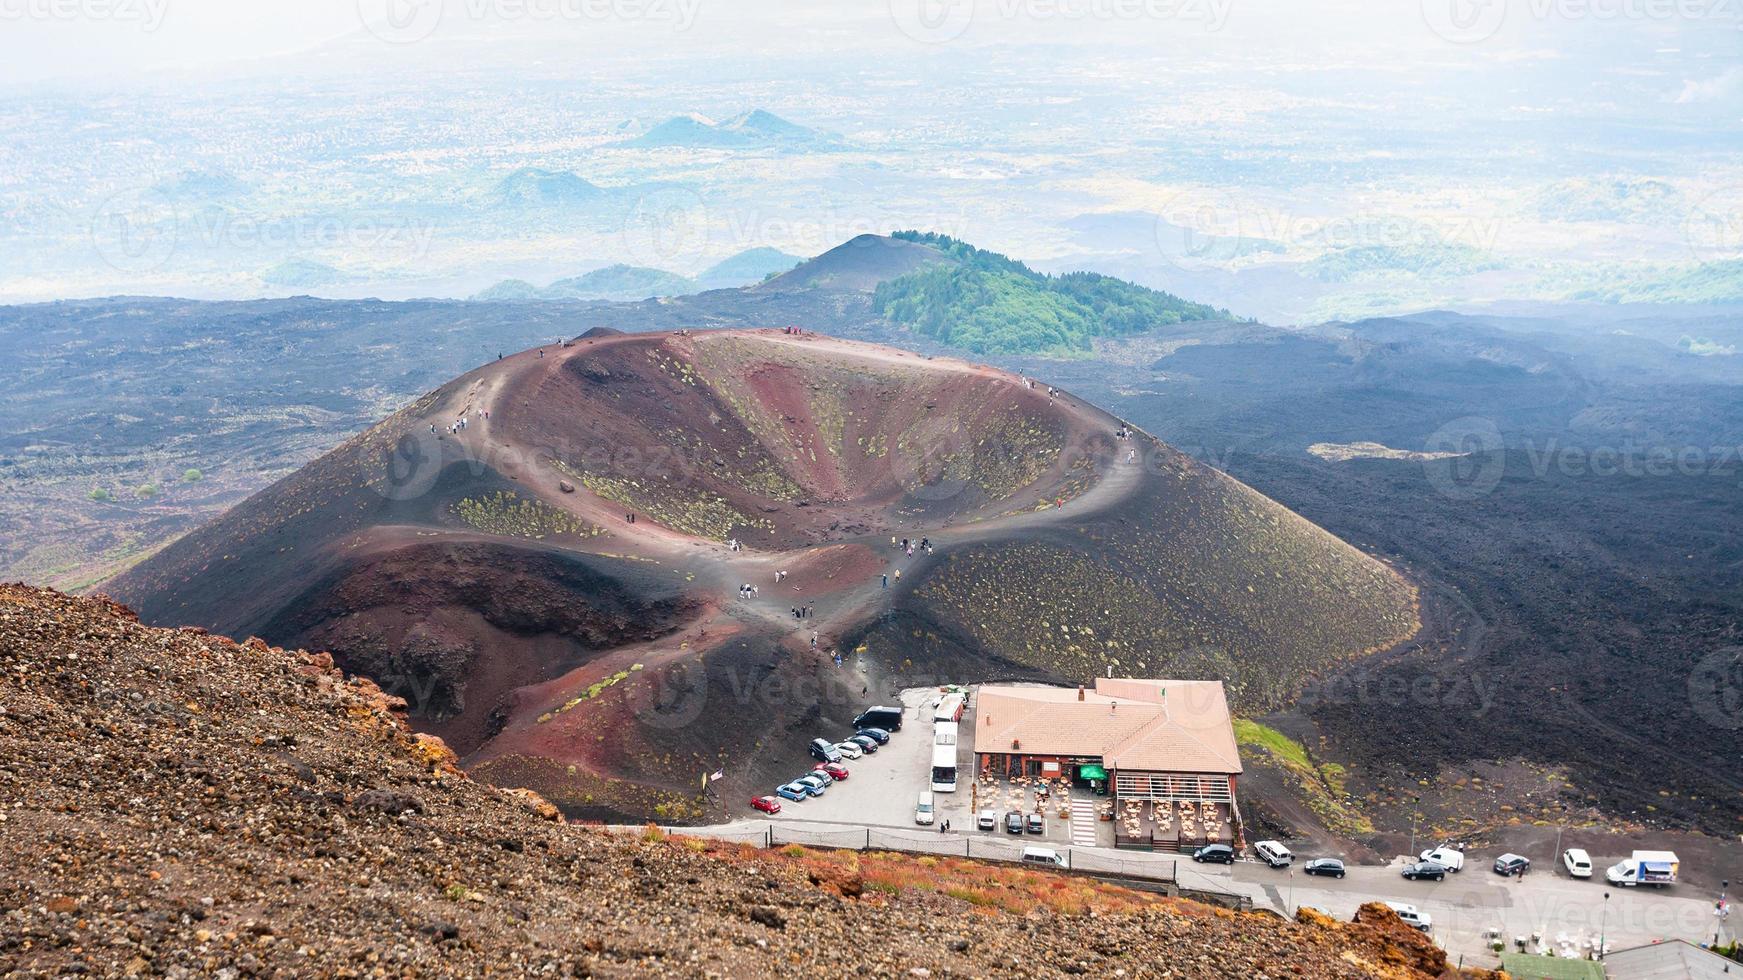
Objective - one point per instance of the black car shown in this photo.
(1512, 864)
(823, 750)
(865, 742)
(1328, 867)
(1214, 854)
(1425, 869)
(883, 737)
(1014, 822)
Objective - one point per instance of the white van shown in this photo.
(923, 809)
(1273, 853)
(1411, 916)
(1577, 862)
(1043, 855)
(1447, 856)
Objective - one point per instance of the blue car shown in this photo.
(792, 791)
(876, 734)
(813, 784)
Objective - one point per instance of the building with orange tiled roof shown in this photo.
(1163, 749)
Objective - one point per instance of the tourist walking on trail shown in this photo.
(886, 580)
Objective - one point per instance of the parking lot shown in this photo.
(884, 787)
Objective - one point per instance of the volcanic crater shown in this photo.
(556, 586)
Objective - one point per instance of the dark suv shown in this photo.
(1512, 864)
(1425, 869)
(1013, 822)
(823, 750)
(1214, 854)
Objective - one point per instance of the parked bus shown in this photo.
(944, 733)
(950, 709)
(944, 768)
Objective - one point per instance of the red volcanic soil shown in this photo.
(490, 572)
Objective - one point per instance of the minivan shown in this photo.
(923, 809)
(823, 750)
(1577, 862)
(888, 719)
(1043, 855)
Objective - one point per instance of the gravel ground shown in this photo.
(179, 804)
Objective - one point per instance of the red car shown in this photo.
(835, 769)
(767, 804)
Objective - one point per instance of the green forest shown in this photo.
(992, 304)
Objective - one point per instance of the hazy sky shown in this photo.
(1697, 39)
(1562, 136)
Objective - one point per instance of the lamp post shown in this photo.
(1603, 924)
(1289, 906)
(1719, 911)
(1415, 815)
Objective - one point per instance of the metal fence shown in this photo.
(1097, 861)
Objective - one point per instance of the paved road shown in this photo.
(883, 788)
(1564, 912)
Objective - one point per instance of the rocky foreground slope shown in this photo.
(177, 803)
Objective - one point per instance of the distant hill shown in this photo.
(991, 304)
(628, 283)
(747, 268)
(614, 282)
(621, 282)
(532, 186)
(860, 264)
(303, 274)
(510, 290)
(750, 130)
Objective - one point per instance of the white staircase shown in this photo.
(1082, 822)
